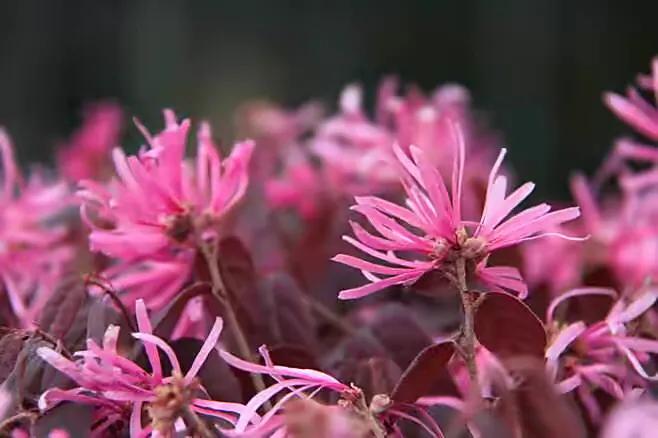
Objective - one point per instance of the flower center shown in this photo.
(179, 226)
(171, 399)
(474, 248)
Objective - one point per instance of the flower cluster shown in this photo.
(156, 294)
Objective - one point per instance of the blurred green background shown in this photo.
(537, 68)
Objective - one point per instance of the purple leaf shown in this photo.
(423, 372)
(61, 310)
(76, 419)
(507, 327)
(397, 329)
(215, 375)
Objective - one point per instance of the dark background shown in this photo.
(536, 67)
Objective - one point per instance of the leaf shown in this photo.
(376, 375)
(236, 267)
(533, 407)
(61, 310)
(507, 327)
(363, 361)
(76, 419)
(423, 372)
(26, 376)
(286, 317)
(588, 308)
(293, 356)
(100, 315)
(397, 330)
(432, 283)
(11, 344)
(239, 277)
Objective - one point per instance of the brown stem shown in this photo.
(466, 338)
(195, 425)
(220, 293)
(5, 426)
(108, 291)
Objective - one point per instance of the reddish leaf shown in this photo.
(236, 267)
(533, 406)
(507, 327)
(215, 374)
(293, 356)
(28, 377)
(73, 418)
(238, 274)
(364, 362)
(11, 344)
(397, 329)
(286, 317)
(423, 372)
(376, 375)
(432, 283)
(101, 314)
(61, 310)
(588, 308)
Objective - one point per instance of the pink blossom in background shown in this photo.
(86, 155)
(119, 389)
(357, 150)
(554, 263)
(351, 153)
(161, 207)
(444, 235)
(356, 153)
(622, 230)
(299, 187)
(282, 162)
(33, 251)
(607, 355)
(634, 109)
(632, 419)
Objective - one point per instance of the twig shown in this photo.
(109, 291)
(197, 427)
(15, 419)
(466, 337)
(219, 291)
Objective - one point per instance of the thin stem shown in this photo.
(7, 423)
(195, 425)
(466, 338)
(220, 293)
(108, 291)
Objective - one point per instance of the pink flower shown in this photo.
(282, 162)
(633, 109)
(555, 264)
(622, 231)
(436, 230)
(87, 153)
(160, 207)
(33, 251)
(355, 152)
(605, 355)
(118, 388)
(632, 419)
(308, 383)
(300, 187)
